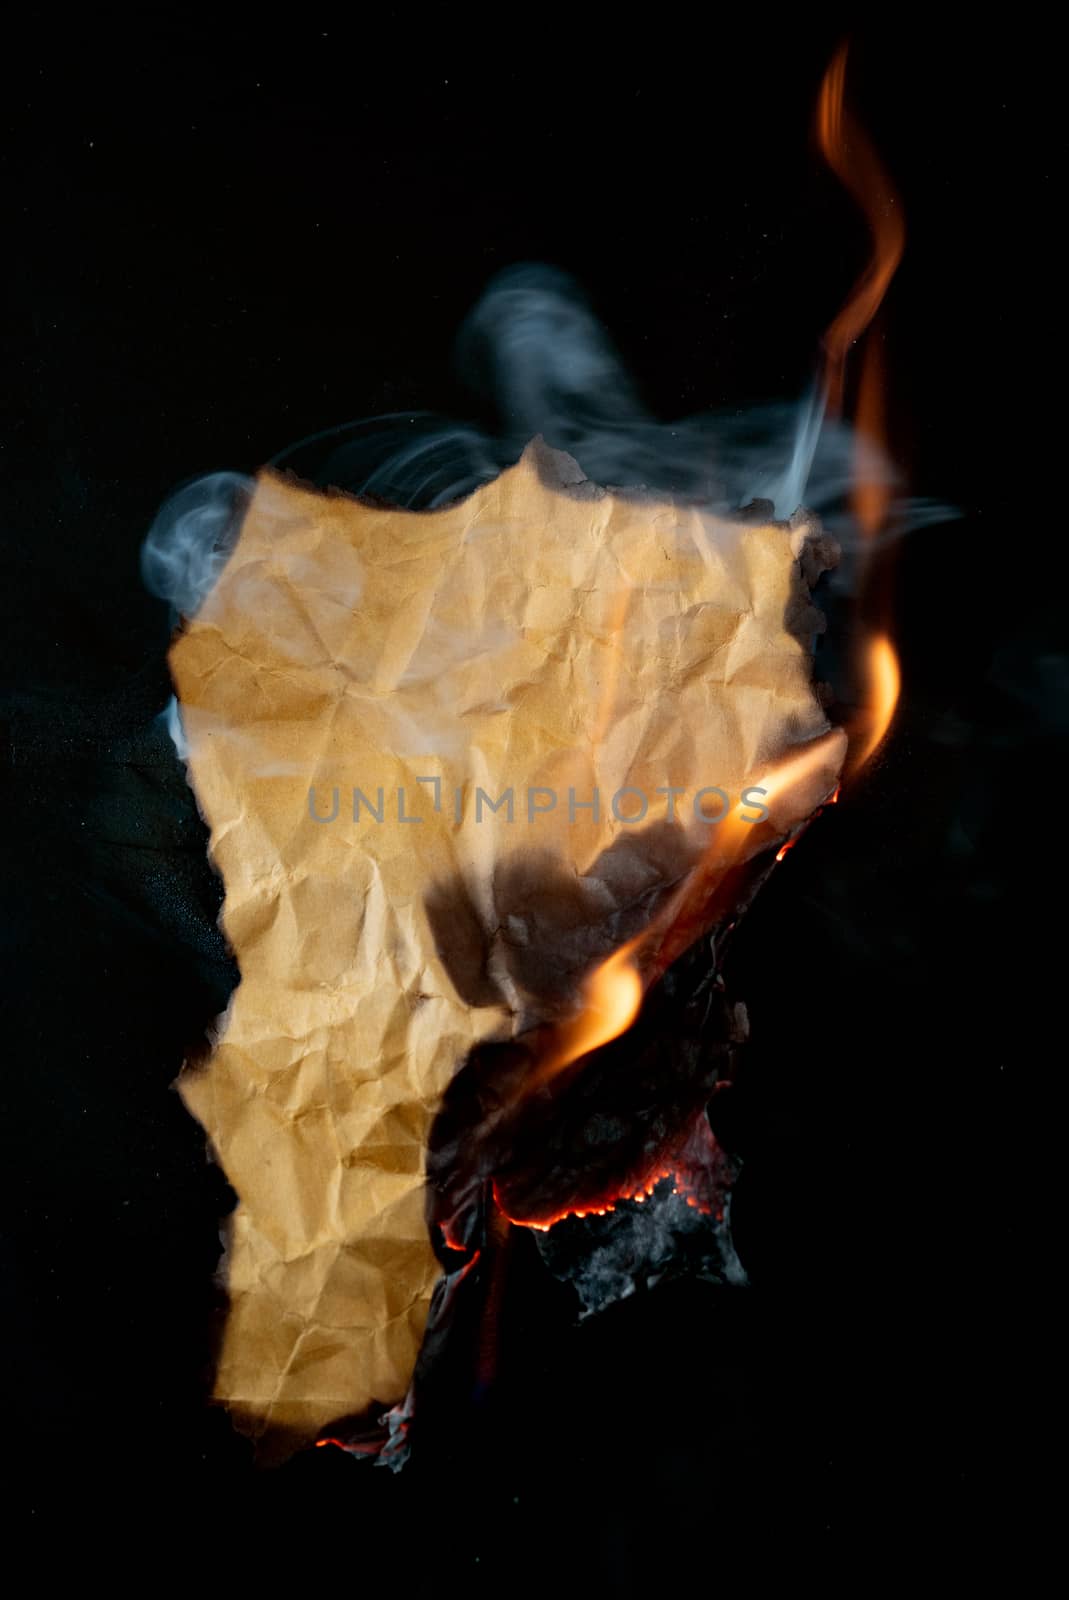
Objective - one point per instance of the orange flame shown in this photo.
(612, 996)
(783, 785)
(613, 993)
(854, 162)
(885, 681)
(852, 158)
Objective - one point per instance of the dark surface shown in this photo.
(220, 242)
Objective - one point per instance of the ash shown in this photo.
(640, 1244)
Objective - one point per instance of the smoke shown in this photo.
(537, 358)
(192, 537)
(607, 1258)
(170, 719)
(534, 353)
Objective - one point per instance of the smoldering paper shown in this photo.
(543, 632)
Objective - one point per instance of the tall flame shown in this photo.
(853, 160)
(613, 993)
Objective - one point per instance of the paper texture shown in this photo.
(544, 635)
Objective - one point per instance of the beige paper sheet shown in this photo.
(544, 634)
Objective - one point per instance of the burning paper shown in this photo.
(452, 763)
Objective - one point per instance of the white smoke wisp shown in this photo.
(535, 353)
(192, 537)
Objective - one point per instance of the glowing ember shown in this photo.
(636, 1196)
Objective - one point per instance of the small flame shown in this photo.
(612, 996)
(789, 776)
(885, 681)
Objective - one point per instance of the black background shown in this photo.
(221, 240)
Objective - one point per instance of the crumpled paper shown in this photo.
(544, 634)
